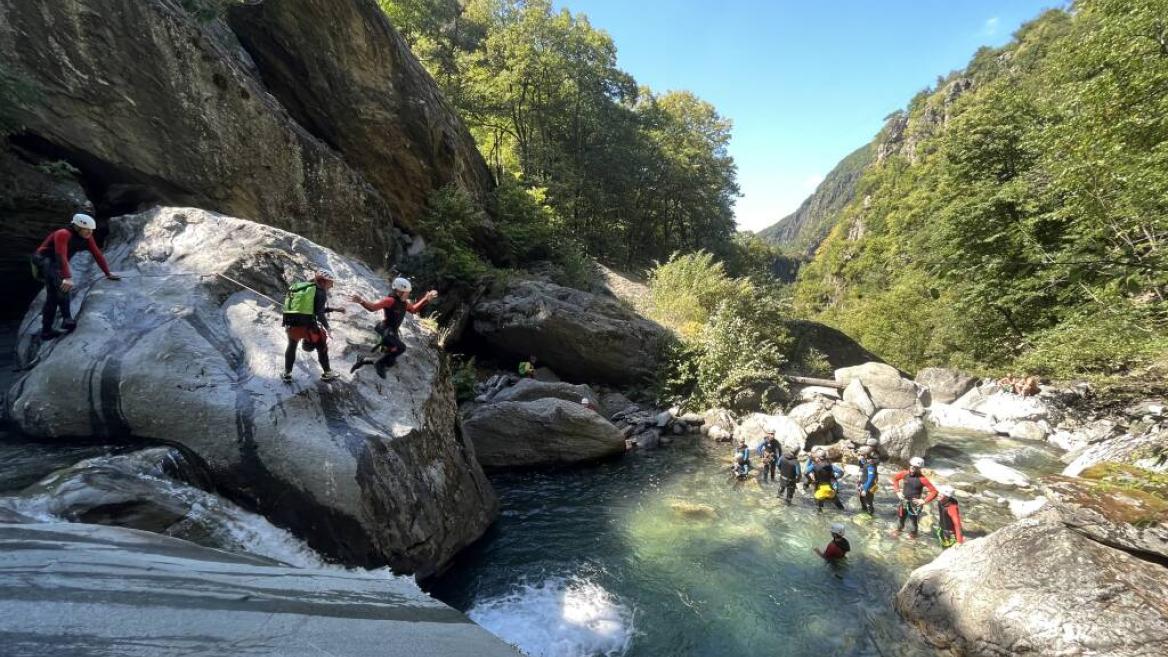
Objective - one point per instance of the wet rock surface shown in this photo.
(369, 471)
(74, 589)
(1039, 587)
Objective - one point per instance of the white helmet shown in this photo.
(837, 529)
(402, 285)
(84, 221)
(916, 462)
(946, 491)
(584, 402)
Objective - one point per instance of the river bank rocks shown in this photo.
(540, 433)
(945, 385)
(582, 336)
(1039, 587)
(145, 595)
(368, 471)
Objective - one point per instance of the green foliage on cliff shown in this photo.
(630, 174)
(802, 231)
(731, 331)
(1019, 214)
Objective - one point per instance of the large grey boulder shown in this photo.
(1038, 587)
(582, 336)
(852, 422)
(816, 420)
(367, 470)
(788, 432)
(886, 387)
(902, 435)
(1113, 510)
(945, 385)
(1146, 449)
(73, 589)
(532, 389)
(857, 396)
(543, 432)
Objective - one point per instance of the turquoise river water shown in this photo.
(660, 554)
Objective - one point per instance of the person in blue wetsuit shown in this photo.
(742, 459)
(869, 475)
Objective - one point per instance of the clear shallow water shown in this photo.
(659, 554)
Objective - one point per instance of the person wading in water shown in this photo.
(396, 305)
(306, 318)
(948, 525)
(51, 266)
(909, 485)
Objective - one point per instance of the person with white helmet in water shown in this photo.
(838, 548)
(306, 312)
(909, 486)
(948, 526)
(50, 265)
(396, 305)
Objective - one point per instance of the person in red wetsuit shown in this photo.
(948, 518)
(838, 548)
(51, 266)
(396, 305)
(910, 485)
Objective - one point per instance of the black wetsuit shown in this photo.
(825, 474)
(788, 476)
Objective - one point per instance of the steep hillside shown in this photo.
(803, 230)
(1015, 214)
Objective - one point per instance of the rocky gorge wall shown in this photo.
(331, 129)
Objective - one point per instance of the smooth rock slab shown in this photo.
(367, 471)
(1036, 587)
(85, 590)
(945, 385)
(947, 416)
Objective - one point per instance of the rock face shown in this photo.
(154, 103)
(580, 335)
(1112, 510)
(836, 347)
(855, 395)
(902, 434)
(945, 385)
(1038, 587)
(886, 387)
(344, 73)
(369, 471)
(531, 389)
(852, 422)
(34, 200)
(948, 416)
(152, 596)
(544, 432)
(816, 420)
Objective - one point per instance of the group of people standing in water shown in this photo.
(821, 479)
(305, 309)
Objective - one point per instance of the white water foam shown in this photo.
(559, 617)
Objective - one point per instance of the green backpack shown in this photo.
(301, 299)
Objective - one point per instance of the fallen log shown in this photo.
(808, 381)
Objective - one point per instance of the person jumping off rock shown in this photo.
(51, 266)
(306, 318)
(396, 305)
(909, 485)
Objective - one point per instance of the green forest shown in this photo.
(1017, 213)
(1012, 216)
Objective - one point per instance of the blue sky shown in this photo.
(805, 82)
